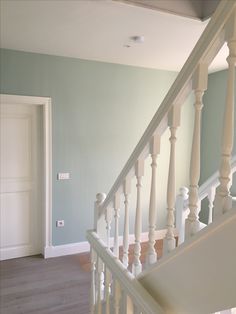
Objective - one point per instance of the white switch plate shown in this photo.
(60, 223)
(63, 176)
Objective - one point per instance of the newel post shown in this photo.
(223, 199)
(200, 80)
(99, 217)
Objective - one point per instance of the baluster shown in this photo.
(127, 191)
(199, 85)
(108, 218)
(93, 282)
(117, 297)
(211, 196)
(155, 150)
(173, 122)
(139, 172)
(223, 200)
(126, 303)
(136, 309)
(116, 216)
(107, 289)
(100, 285)
(107, 292)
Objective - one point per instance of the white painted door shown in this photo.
(21, 180)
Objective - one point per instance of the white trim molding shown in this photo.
(47, 139)
(66, 249)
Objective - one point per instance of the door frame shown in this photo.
(45, 102)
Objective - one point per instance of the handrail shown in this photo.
(205, 50)
(213, 181)
(141, 298)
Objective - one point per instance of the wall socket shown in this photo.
(60, 223)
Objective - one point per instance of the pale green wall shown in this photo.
(212, 123)
(99, 112)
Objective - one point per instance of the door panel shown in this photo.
(16, 146)
(20, 197)
(15, 213)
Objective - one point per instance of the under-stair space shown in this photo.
(193, 269)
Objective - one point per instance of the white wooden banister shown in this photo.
(174, 123)
(139, 172)
(114, 289)
(223, 200)
(205, 50)
(155, 150)
(199, 86)
(139, 296)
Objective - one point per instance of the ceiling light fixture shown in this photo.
(137, 39)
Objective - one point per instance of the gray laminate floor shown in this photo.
(34, 285)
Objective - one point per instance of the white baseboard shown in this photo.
(82, 247)
(66, 249)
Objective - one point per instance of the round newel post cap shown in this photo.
(100, 197)
(183, 191)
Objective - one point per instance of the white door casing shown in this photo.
(25, 177)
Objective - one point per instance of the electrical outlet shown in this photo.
(60, 223)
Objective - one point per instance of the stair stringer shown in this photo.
(198, 277)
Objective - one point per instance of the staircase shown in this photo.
(197, 273)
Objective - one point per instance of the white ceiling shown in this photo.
(99, 30)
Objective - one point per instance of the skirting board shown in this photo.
(66, 249)
(82, 247)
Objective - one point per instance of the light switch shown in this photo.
(63, 176)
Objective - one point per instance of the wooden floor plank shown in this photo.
(34, 285)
